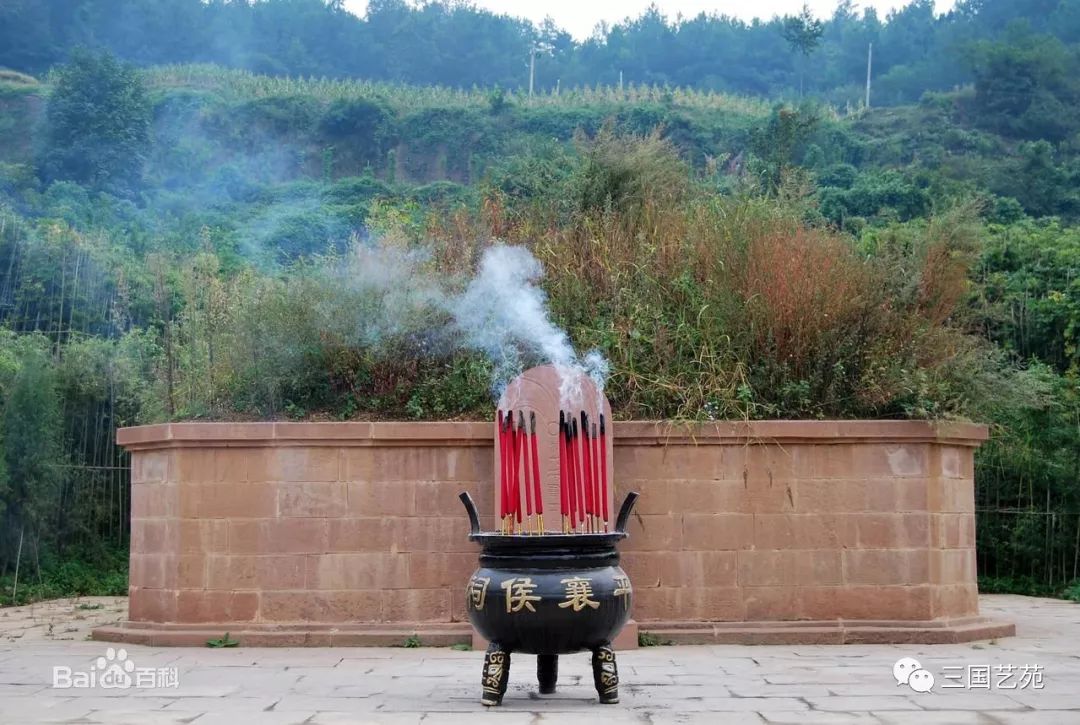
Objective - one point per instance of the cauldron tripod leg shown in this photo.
(496, 674)
(605, 674)
(547, 672)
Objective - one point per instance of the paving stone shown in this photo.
(141, 717)
(940, 717)
(351, 718)
(1035, 717)
(958, 700)
(840, 718)
(262, 718)
(704, 718)
(838, 703)
(729, 684)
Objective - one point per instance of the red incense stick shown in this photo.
(538, 496)
(516, 493)
(579, 475)
(603, 471)
(586, 470)
(564, 493)
(572, 478)
(525, 460)
(502, 471)
(595, 440)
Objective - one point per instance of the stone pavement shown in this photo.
(727, 684)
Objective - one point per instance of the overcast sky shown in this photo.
(579, 17)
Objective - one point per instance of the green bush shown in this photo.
(98, 130)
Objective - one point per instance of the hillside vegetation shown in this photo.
(202, 243)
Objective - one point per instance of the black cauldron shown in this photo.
(549, 595)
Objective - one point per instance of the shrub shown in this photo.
(98, 130)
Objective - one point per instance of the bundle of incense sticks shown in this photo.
(519, 454)
(583, 484)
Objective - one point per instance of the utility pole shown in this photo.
(869, 65)
(532, 69)
(620, 81)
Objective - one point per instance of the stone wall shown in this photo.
(352, 533)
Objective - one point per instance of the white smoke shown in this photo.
(502, 312)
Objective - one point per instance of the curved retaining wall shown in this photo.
(351, 533)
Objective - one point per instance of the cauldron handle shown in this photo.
(470, 508)
(624, 512)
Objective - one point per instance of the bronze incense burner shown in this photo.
(549, 595)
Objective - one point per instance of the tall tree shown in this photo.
(98, 124)
(803, 33)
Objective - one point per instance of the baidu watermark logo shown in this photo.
(115, 671)
(908, 671)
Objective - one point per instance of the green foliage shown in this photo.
(732, 258)
(648, 639)
(98, 124)
(1025, 87)
(1022, 585)
(803, 33)
(780, 141)
(105, 574)
(360, 127)
(625, 174)
(885, 195)
(222, 642)
(30, 431)
(412, 642)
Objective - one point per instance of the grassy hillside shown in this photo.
(195, 243)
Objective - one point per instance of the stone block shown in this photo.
(154, 536)
(796, 531)
(327, 607)
(158, 500)
(382, 498)
(416, 605)
(192, 465)
(886, 566)
(306, 464)
(147, 571)
(306, 500)
(431, 570)
(866, 602)
(365, 533)
(370, 570)
(149, 467)
(952, 566)
(830, 496)
(785, 568)
(231, 465)
(697, 568)
(204, 605)
(884, 530)
(655, 532)
(955, 601)
(643, 567)
(717, 532)
(151, 605)
(229, 500)
(952, 531)
(221, 573)
(770, 603)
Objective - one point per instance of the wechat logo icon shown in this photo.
(908, 671)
